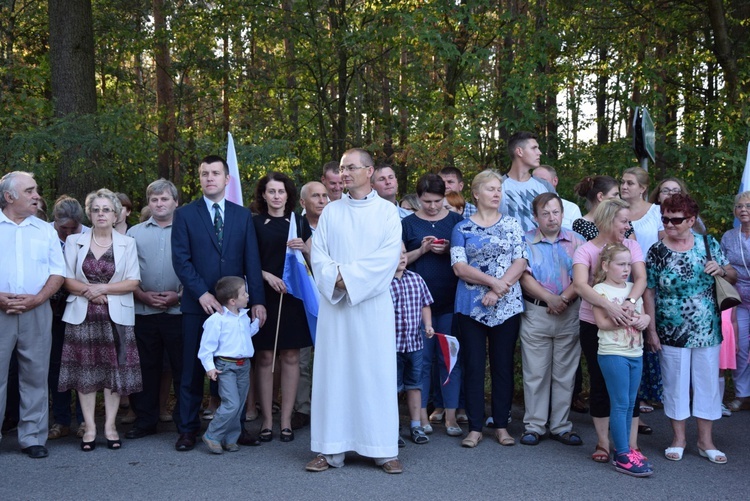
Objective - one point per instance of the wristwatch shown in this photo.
(631, 300)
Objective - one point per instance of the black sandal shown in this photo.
(265, 435)
(88, 446)
(644, 429)
(114, 444)
(287, 435)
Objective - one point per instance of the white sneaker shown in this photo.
(725, 411)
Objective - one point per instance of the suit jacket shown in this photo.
(199, 263)
(121, 306)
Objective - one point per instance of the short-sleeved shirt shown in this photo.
(31, 253)
(410, 294)
(518, 197)
(491, 250)
(469, 210)
(551, 263)
(736, 248)
(154, 244)
(623, 341)
(435, 269)
(686, 311)
(588, 255)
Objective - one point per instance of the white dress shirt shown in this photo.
(31, 253)
(227, 335)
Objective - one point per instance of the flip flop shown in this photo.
(600, 455)
(645, 409)
(713, 455)
(676, 451)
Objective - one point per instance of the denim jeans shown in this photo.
(623, 378)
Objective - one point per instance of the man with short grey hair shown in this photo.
(32, 268)
(158, 321)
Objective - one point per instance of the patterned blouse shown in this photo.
(686, 312)
(588, 230)
(491, 250)
(736, 248)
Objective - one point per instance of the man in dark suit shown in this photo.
(211, 238)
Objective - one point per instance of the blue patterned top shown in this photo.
(686, 311)
(491, 250)
(736, 248)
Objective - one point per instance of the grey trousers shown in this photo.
(302, 402)
(234, 382)
(31, 334)
(550, 352)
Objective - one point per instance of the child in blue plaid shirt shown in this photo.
(411, 302)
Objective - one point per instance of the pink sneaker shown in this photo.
(631, 464)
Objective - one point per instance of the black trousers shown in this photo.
(156, 335)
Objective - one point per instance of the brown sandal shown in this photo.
(600, 455)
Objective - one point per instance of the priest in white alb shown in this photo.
(355, 252)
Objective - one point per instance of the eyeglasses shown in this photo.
(350, 168)
(742, 206)
(672, 191)
(103, 210)
(674, 220)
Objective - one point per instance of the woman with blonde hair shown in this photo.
(100, 351)
(489, 256)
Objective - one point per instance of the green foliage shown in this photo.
(427, 83)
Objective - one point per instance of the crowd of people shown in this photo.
(197, 292)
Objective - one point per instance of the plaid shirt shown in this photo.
(410, 295)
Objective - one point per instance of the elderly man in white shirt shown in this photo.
(31, 270)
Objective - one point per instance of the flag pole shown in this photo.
(276, 339)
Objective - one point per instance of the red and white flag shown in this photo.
(234, 188)
(449, 346)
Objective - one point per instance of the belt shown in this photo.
(238, 361)
(534, 301)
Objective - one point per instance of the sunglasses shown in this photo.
(674, 220)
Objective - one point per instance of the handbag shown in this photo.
(725, 293)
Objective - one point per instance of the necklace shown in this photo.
(97, 242)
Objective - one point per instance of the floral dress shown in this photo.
(98, 353)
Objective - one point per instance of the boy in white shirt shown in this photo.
(225, 352)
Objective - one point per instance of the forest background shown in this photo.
(117, 93)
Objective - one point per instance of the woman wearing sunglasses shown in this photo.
(685, 324)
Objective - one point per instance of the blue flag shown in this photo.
(299, 281)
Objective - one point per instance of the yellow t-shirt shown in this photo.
(623, 341)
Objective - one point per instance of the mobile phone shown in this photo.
(438, 241)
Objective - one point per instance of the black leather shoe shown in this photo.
(136, 432)
(248, 440)
(186, 442)
(300, 420)
(36, 451)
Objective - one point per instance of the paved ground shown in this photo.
(151, 468)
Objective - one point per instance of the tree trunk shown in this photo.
(165, 105)
(71, 40)
(602, 134)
